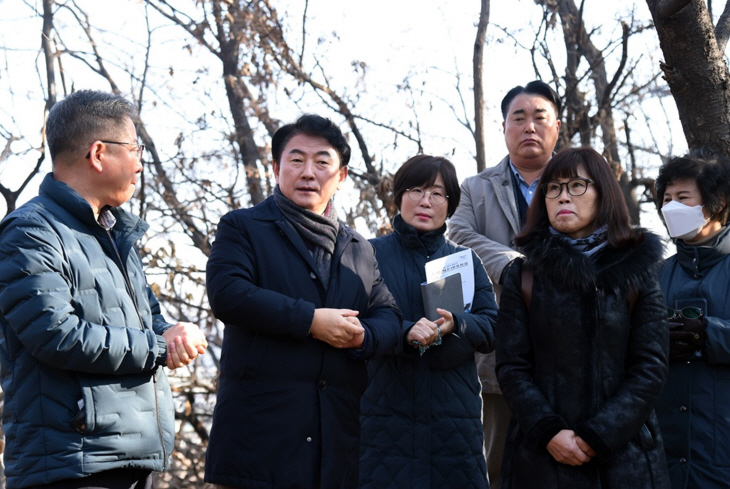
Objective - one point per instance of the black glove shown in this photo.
(686, 336)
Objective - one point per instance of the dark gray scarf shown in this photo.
(318, 231)
(588, 245)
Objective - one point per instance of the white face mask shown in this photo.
(683, 221)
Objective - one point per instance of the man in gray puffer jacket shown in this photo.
(82, 340)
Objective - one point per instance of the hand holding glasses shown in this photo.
(687, 333)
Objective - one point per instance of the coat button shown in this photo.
(309, 439)
(682, 460)
(683, 409)
(322, 385)
(313, 275)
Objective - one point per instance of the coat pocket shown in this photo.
(645, 438)
(116, 405)
(253, 354)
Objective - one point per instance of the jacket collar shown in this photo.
(427, 243)
(696, 260)
(500, 178)
(127, 224)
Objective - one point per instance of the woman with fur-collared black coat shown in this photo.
(582, 350)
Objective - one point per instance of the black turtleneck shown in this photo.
(428, 241)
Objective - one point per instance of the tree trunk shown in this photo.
(248, 151)
(578, 44)
(695, 70)
(479, 86)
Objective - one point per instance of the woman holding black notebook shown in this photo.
(420, 414)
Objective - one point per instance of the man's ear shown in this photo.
(343, 175)
(275, 166)
(95, 156)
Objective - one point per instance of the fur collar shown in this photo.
(608, 269)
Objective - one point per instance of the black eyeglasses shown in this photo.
(688, 312)
(436, 197)
(139, 147)
(575, 187)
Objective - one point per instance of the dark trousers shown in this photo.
(109, 479)
(495, 416)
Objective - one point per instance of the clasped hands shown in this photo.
(337, 327)
(568, 448)
(185, 341)
(425, 332)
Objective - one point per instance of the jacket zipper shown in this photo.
(131, 293)
(127, 282)
(599, 304)
(600, 313)
(159, 421)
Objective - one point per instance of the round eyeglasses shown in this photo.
(575, 187)
(436, 197)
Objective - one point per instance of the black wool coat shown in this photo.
(583, 358)
(288, 405)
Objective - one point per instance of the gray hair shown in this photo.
(83, 117)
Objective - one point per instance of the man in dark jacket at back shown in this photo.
(82, 338)
(303, 305)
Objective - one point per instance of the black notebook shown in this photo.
(444, 293)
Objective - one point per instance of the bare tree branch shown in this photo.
(304, 31)
(669, 8)
(48, 52)
(622, 64)
(722, 29)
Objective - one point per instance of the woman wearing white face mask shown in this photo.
(694, 408)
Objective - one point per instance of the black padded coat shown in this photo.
(586, 358)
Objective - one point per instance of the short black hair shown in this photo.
(314, 126)
(536, 87)
(422, 171)
(611, 210)
(711, 172)
(84, 117)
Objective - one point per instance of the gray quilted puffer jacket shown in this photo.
(80, 348)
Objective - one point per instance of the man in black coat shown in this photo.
(303, 305)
